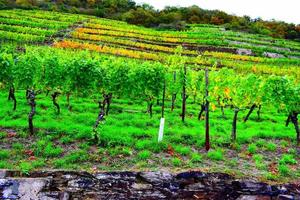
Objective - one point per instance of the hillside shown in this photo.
(29, 26)
(96, 90)
(171, 17)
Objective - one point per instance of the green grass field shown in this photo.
(128, 140)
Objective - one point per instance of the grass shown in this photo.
(196, 158)
(25, 167)
(271, 147)
(144, 155)
(284, 170)
(128, 138)
(215, 155)
(176, 162)
(288, 159)
(252, 148)
(4, 154)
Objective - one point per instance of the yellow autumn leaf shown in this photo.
(227, 92)
(213, 107)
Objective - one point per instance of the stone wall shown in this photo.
(137, 185)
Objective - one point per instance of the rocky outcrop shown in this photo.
(294, 57)
(273, 55)
(209, 48)
(247, 52)
(137, 185)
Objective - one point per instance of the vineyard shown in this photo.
(86, 93)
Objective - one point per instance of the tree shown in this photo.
(197, 89)
(77, 82)
(140, 16)
(254, 93)
(54, 79)
(26, 3)
(235, 91)
(7, 75)
(174, 63)
(147, 80)
(178, 63)
(284, 94)
(28, 75)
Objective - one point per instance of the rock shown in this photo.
(60, 185)
(273, 55)
(192, 174)
(253, 187)
(294, 57)
(22, 189)
(2, 174)
(49, 196)
(140, 186)
(81, 183)
(64, 196)
(156, 177)
(282, 49)
(9, 189)
(286, 197)
(196, 187)
(237, 42)
(128, 176)
(247, 52)
(69, 176)
(256, 197)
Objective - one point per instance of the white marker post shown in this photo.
(161, 129)
(162, 119)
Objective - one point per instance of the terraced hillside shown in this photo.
(88, 93)
(36, 26)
